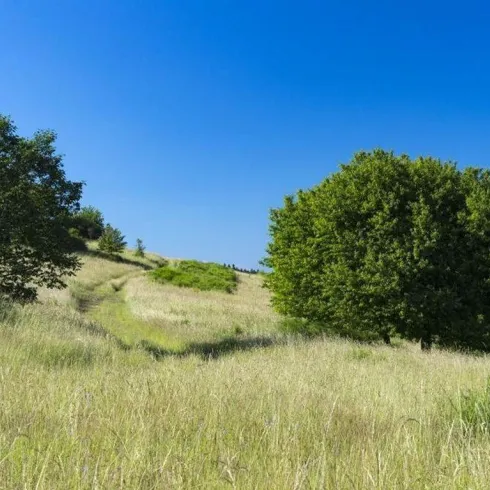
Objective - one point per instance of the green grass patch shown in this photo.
(473, 409)
(117, 319)
(197, 275)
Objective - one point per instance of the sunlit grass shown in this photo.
(116, 317)
(203, 315)
(85, 404)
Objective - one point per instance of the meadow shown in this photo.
(121, 382)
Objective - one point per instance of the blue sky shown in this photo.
(188, 120)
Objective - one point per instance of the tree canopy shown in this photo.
(89, 222)
(388, 245)
(36, 200)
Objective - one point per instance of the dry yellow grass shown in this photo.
(95, 272)
(199, 315)
(77, 411)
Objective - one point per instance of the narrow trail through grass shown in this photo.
(114, 315)
(108, 307)
(165, 320)
(104, 302)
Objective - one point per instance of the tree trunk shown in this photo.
(426, 342)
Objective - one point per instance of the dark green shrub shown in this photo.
(198, 275)
(89, 222)
(76, 242)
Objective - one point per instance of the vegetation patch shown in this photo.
(197, 275)
(473, 410)
(359, 353)
(310, 328)
(116, 318)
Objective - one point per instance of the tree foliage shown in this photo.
(388, 245)
(36, 200)
(89, 222)
(112, 240)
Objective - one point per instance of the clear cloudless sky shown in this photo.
(188, 120)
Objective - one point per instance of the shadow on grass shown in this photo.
(124, 260)
(157, 262)
(228, 345)
(211, 350)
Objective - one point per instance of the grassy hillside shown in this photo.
(120, 382)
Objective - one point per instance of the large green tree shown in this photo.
(388, 245)
(36, 200)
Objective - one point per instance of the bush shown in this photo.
(198, 275)
(89, 222)
(76, 242)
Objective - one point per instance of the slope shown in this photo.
(84, 407)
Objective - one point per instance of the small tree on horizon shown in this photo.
(140, 248)
(112, 240)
